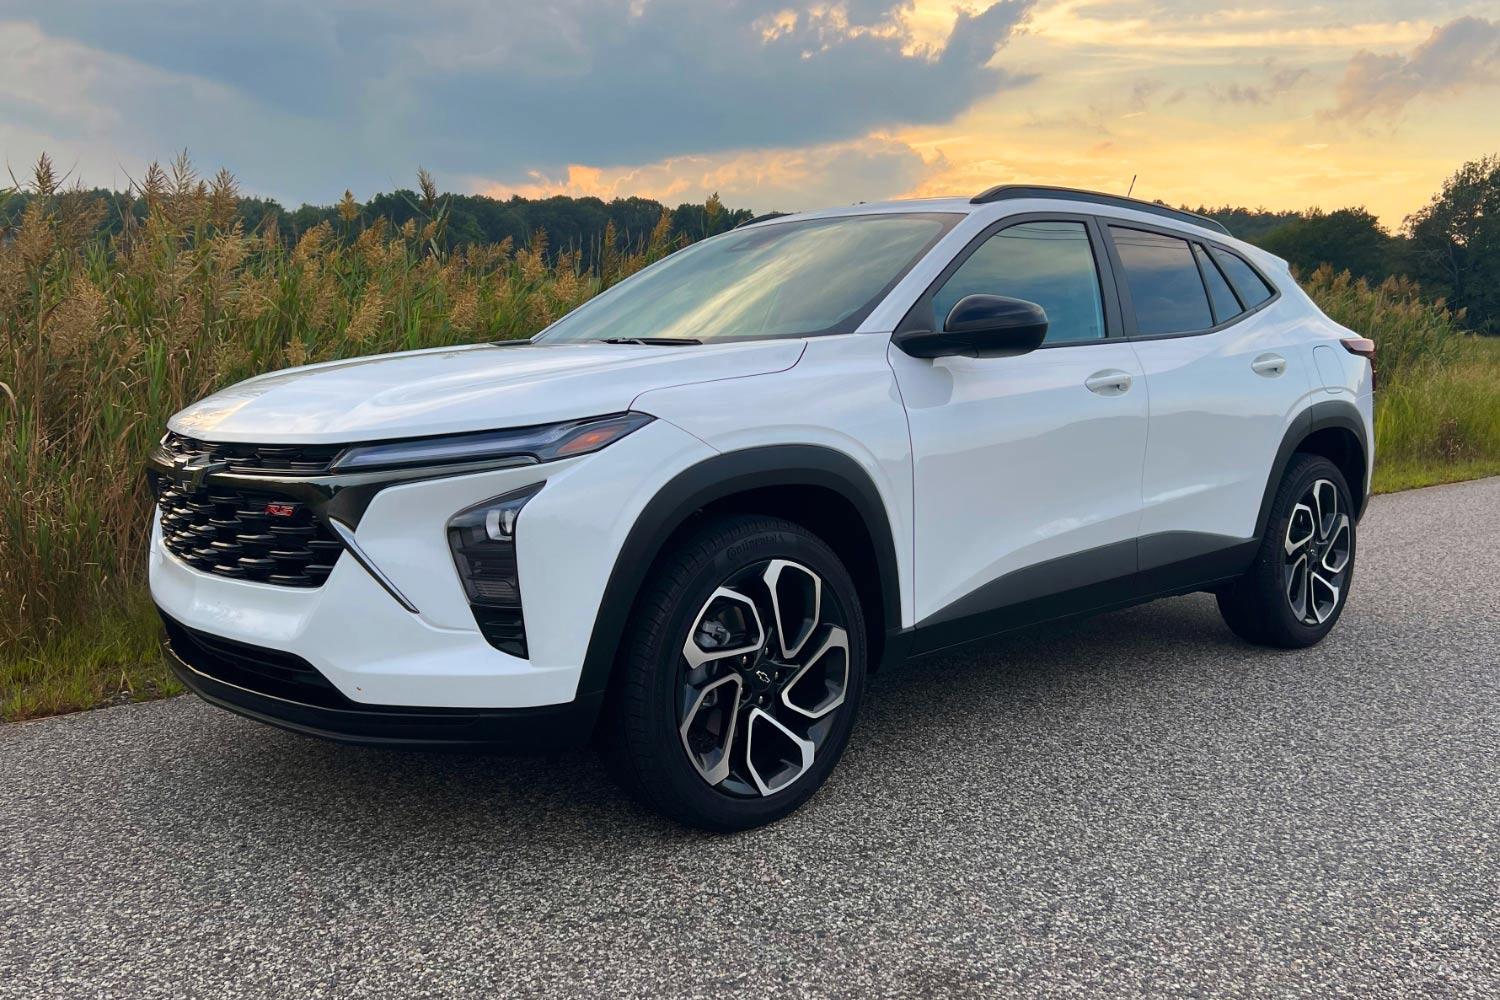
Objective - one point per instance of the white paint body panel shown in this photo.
(1216, 423)
(1017, 462)
(841, 394)
(460, 389)
(982, 467)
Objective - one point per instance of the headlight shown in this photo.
(483, 540)
(542, 443)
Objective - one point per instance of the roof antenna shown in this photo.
(1132, 185)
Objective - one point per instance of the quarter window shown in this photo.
(1165, 288)
(1251, 286)
(1049, 263)
(1226, 306)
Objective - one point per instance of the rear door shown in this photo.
(1225, 375)
(1027, 470)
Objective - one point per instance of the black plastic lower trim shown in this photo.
(1106, 578)
(212, 669)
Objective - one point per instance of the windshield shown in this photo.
(787, 279)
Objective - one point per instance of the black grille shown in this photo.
(246, 534)
(276, 459)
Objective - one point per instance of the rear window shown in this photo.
(1251, 286)
(1226, 306)
(1165, 288)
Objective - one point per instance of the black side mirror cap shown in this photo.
(980, 326)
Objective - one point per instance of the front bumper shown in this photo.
(283, 690)
(374, 651)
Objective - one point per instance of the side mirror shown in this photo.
(980, 326)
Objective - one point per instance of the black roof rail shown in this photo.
(763, 218)
(1007, 192)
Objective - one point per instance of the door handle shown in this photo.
(1110, 382)
(1269, 365)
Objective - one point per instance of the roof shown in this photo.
(1002, 192)
(1007, 192)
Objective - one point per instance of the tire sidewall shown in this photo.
(1301, 478)
(710, 806)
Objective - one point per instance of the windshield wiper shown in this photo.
(664, 341)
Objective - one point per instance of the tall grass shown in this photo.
(101, 339)
(1437, 409)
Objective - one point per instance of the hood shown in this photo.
(451, 390)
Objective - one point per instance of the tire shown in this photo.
(1274, 604)
(706, 670)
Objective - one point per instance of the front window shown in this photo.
(1049, 263)
(782, 280)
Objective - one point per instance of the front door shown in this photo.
(1027, 470)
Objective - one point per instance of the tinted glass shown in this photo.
(784, 279)
(1251, 286)
(1165, 289)
(1226, 306)
(1049, 263)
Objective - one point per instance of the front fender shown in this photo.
(715, 479)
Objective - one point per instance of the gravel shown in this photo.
(1135, 805)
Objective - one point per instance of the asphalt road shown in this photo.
(1134, 805)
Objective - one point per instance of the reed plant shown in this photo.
(1437, 411)
(103, 338)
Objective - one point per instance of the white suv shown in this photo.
(692, 516)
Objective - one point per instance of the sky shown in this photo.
(775, 105)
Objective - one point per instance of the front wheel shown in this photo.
(740, 675)
(1294, 592)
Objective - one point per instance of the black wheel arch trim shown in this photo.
(1321, 415)
(718, 478)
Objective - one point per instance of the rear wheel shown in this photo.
(1294, 592)
(740, 675)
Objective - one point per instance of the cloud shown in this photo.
(500, 87)
(1141, 93)
(1195, 29)
(1278, 81)
(763, 180)
(1462, 53)
(103, 116)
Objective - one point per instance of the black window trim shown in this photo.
(921, 317)
(1122, 289)
(1213, 262)
(1217, 252)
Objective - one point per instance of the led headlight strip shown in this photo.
(539, 443)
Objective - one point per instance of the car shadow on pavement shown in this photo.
(981, 699)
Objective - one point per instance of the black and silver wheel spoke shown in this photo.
(1318, 546)
(764, 670)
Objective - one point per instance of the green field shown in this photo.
(105, 336)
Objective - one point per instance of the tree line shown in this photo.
(1451, 246)
(577, 225)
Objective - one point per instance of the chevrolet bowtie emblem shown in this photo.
(196, 468)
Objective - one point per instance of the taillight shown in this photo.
(1362, 347)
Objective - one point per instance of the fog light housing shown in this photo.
(483, 540)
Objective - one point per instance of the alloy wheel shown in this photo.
(1318, 547)
(762, 676)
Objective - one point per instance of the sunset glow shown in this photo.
(781, 105)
